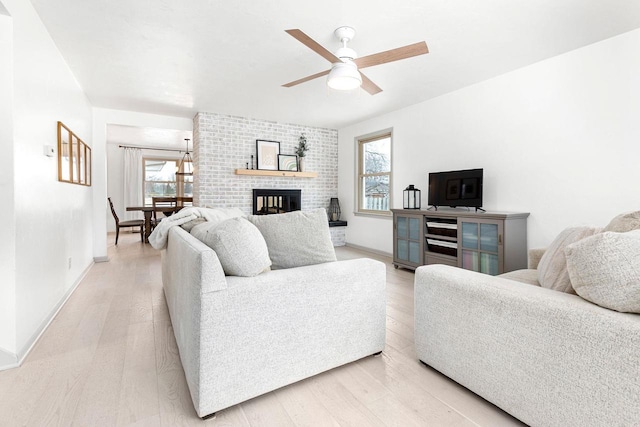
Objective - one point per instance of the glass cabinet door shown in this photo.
(481, 248)
(408, 239)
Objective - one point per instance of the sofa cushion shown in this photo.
(296, 238)
(552, 269)
(605, 269)
(528, 276)
(624, 222)
(239, 245)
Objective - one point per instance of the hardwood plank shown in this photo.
(394, 414)
(57, 406)
(343, 405)
(141, 304)
(302, 406)
(266, 410)
(409, 394)
(25, 390)
(161, 312)
(400, 328)
(99, 401)
(397, 341)
(362, 385)
(449, 392)
(139, 391)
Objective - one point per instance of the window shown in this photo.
(374, 173)
(160, 180)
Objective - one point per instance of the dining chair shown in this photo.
(162, 204)
(127, 223)
(184, 202)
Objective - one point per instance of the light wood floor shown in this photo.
(110, 358)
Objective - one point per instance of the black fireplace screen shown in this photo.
(266, 202)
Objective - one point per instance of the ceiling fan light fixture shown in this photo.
(344, 76)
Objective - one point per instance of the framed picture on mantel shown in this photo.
(287, 162)
(267, 154)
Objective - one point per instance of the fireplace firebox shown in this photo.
(271, 201)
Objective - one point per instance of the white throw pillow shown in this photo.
(624, 222)
(605, 269)
(296, 238)
(188, 226)
(238, 244)
(552, 269)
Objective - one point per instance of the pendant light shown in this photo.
(186, 164)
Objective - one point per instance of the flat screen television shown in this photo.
(456, 188)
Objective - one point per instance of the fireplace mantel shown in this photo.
(259, 172)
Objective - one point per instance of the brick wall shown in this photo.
(224, 143)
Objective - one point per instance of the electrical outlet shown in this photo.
(69, 263)
(49, 150)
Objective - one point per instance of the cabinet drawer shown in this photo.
(442, 228)
(442, 247)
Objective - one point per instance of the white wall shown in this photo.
(53, 221)
(102, 172)
(558, 139)
(7, 214)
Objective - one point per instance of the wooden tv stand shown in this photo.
(488, 242)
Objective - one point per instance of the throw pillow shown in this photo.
(188, 226)
(605, 269)
(238, 244)
(624, 222)
(209, 218)
(552, 269)
(296, 238)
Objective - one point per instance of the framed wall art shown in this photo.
(74, 158)
(287, 162)
(267, 153)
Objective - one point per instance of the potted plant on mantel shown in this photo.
(303, 147)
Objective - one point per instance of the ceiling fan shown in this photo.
(345, 71)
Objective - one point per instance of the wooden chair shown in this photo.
(184, 202)
(125, 224)
(166, 205)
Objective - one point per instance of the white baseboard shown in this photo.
(33, 340)
(100, 259)
(8, 360)
(373, 251)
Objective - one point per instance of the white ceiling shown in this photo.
(178, 58)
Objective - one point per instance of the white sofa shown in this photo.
(240, 337)
(548, 358)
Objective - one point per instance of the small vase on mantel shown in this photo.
(300, 164)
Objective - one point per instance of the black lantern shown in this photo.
(334, 209)
(411, 198)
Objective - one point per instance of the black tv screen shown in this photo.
(456, 188)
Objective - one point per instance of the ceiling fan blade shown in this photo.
(408, 51)
(306, 79)
(313, 45)
(369, 86)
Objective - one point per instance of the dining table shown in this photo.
(148, 212)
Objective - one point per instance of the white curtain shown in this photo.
(133, 181)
